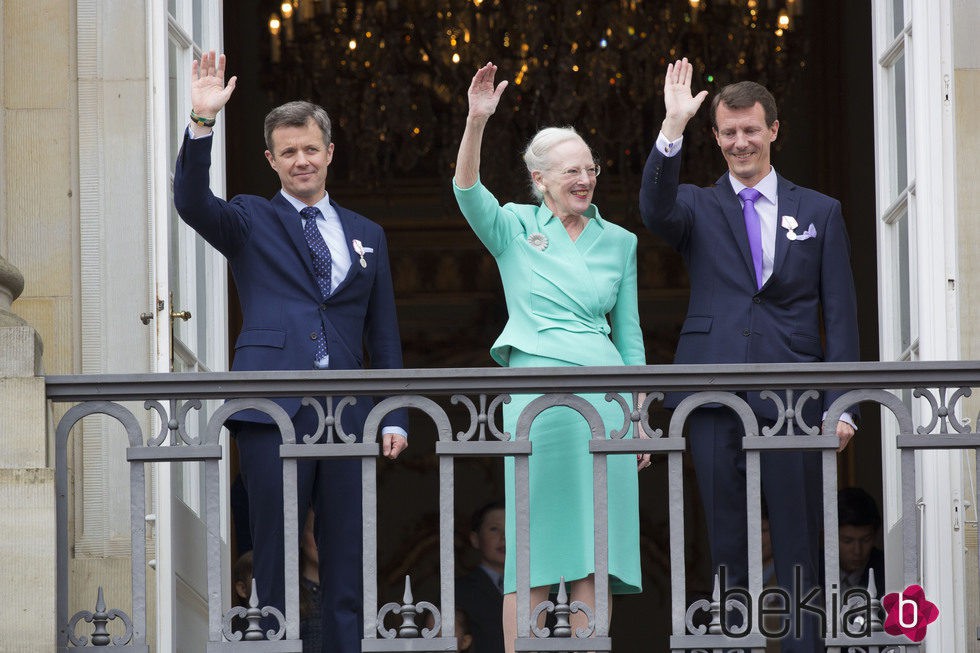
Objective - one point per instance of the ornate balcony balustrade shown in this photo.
(932, 418)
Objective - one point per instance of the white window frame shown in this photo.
(893, 204)
(177, 518)
(927, 204)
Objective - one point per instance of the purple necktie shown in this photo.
(322, 268)
(754, 229)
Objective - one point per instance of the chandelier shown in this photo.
(394, 73)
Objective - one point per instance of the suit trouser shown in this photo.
(333, 489)
(791, 487)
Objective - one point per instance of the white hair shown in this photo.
(536, 154)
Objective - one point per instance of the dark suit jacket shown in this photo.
(479, 598)
(728, 319)
(282, 306)
(876, 566)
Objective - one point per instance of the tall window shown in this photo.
(896, 211)
(915, 143)
(190, 283)
(194, 270)
(896, 205)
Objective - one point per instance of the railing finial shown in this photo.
(100, 619)
(408, 610)
(409, 629)
(253, 632)
(563, 627)
(100, 636)
(714, 625)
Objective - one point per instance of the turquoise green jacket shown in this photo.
(565, 299)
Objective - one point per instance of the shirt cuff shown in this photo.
(396, 430)
(669, 148)
(190, 133)
(847, 418)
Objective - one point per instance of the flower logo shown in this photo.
(909, 613)
(538, 241)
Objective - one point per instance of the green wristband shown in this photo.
(200, 120)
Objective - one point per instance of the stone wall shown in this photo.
(38, 265)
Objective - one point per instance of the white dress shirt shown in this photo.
(333, 234)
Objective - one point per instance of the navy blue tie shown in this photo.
(321, 269)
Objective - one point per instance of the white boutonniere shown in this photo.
(361, 250)
(538, 241)
(789, 223)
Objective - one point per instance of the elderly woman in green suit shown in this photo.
(569, 279)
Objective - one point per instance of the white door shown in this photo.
(190, 280)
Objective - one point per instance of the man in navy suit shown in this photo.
(315, 288)
(768, 262)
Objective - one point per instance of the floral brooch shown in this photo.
(538, 241)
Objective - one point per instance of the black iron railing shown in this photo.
(938, 389)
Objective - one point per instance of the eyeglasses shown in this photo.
(571, 173)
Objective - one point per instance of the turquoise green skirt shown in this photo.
(561, 504)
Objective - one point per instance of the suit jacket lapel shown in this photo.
(352, 232)
(293, 225)
(487, 585)
(789, 200)
(731, 208)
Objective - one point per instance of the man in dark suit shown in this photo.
(480, 593)
(315, 288)
(768, 262)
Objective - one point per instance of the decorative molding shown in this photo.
(91, 186)
(93, 484)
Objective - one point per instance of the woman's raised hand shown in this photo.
(483, 97)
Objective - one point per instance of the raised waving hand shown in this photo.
(483, 98)
(482, 95)
(209, 93)
(680, 102)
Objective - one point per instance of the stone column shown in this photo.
(27, 488)
(15, 331)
